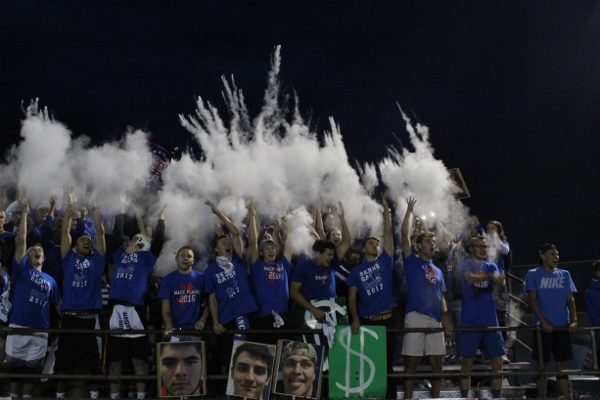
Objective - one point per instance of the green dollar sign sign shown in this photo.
(344, 337)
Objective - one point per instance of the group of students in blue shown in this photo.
(257, 284)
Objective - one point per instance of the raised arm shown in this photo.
(346, 236)
(388, 235)
(65, 237)
(100, 238)
(279, 236)
(252, 233)
(319, 223)
(21, 238)
(287, 247)
(139, 220)
(405, 229)
(159, 235)
(52, 208)
(236, 239)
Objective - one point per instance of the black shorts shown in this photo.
(78, 350)
(123, 348)
(557, 343)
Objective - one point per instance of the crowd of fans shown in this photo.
(55, 265)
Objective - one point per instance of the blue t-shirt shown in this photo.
(83, 281)
(129, 280)
(34, 292)
(426, 286)
(592, 305)
(7, 235)
(271, 287)
(231, 289)
(552, 290)
(318, 282)
(374, 281)
(478, 306)
(184, 293)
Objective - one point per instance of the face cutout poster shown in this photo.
(181, 368)
(251, 370)
(298, 368)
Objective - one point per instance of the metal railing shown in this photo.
(286, 333)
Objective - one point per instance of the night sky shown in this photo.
(509, 89)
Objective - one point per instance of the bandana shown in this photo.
(225, 263)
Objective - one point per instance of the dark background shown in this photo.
(509, 89)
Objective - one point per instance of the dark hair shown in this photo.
(545, 247)
(424, 235)
(499, 228)
(369, 238)
(596, 265)
(197, 345)
(320, 245)
(255, 350)
(186, 247)
(215, 240)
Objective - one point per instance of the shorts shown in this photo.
(121, 349)
(417, 344)
(491, 344)
(26, 353)
(80, 349)
(557, 343)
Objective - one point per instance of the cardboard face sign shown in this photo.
(181, 368)
(250, 370)
(298, 367)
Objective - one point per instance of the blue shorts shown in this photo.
(491, 344)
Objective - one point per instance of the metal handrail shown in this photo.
(540, 370)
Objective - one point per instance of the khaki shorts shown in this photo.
(419, 344)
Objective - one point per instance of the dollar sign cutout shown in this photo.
(344, 337)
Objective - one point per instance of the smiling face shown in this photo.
(299, 373)
(250, 375)
(325, 258)
(335, 236)
(550, 259)
(269, 252)
(181, 369)
(478, 249)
